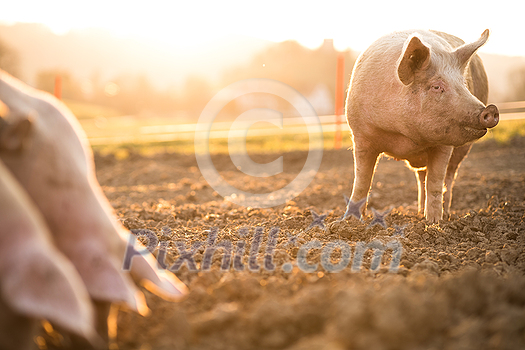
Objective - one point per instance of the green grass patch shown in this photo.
(506, 131)
(503, 134)
(84, 110)
(267, 144)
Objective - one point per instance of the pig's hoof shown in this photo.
(433, 219)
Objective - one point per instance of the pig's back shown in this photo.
(375, 89)
(379, 60)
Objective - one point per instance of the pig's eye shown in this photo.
(436, 88)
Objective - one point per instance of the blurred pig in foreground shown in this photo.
(36, 280)
(419, 96)
(45, 148)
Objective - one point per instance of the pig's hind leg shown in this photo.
(457, 157)
(365, 160)
(421, 175)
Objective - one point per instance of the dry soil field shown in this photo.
(460, 284)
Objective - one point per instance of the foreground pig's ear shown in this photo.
(15, 135)
(415, 56)
(465, 52)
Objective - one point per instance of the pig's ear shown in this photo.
(15, 135)
(465, 52)
(415, 56)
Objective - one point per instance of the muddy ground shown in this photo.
(460, 283)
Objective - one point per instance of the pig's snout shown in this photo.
(489, 118)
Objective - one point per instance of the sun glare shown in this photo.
(351, 25)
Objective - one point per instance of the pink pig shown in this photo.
(419, 96)
(36, 280)
(45, 148)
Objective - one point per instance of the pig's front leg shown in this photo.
(457, 157)
(365, 158)
(438, 158)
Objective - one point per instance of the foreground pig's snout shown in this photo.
(489, 117)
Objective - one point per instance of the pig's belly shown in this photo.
(401, 147)
(394, 144)
(416, 161)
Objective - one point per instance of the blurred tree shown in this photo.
(143, 93)
(133, 94)
(197, 92)
(71, 90)
(310, 72)
(9, 60)
(167, 101)
(517, 84)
